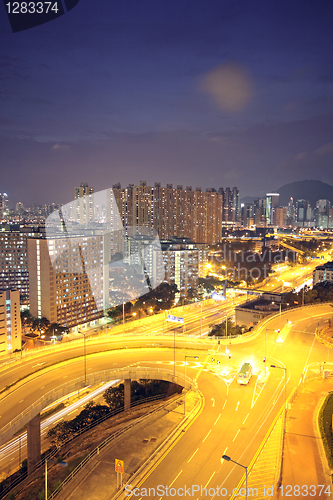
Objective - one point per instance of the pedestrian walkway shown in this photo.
(304, 460)
(262, 477)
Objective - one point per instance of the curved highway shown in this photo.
(235, 418)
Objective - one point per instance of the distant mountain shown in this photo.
(247, 199)
(307, 190)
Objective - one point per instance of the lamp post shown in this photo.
(265, 351)
(84, 355)
(174, 352)
(228, 459)
(280, 312)
(62, 463)
(265, 358)
(195, 357)
(201, 318)
(226, 325)
(285, 384)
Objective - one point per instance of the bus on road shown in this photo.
(244, 374)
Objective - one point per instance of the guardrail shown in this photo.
(292, 396)
(56, 449)
(97, 450)
(93, 379)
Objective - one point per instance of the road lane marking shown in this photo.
(203, 366)
(307, 359)
(209, 480)
(207, 436)
(72, 411)
(236, 435)
(22, 401)
(225, 402)
(192, 456)
(245, 418)
(222, 459)
(237, 405)
(176, 478)
(217, 419)
(43, 387)
(213, 402)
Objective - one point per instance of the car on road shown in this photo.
(244, 374)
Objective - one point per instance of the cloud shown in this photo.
(60, 146)
(229, 86)
(301, 156)
(324, 150)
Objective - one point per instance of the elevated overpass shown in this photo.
(31, 415)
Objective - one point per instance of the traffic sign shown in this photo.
(175, 319)
(119, 466)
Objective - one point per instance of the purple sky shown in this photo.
(201, 93)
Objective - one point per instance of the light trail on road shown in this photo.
(18, 444)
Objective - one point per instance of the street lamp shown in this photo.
(195, 357)
(201, 319)
(174, 352)
(85, 355)
(280, 312)
(265, 358)
(285, 384)
(226, 325)
(228, 459)
(62, 463)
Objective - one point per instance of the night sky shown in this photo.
(199, 93)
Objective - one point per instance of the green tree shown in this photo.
(114, 397)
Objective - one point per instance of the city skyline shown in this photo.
(218, 94)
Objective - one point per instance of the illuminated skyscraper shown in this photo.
(3, 204)
(84, 204)
(175, 211)
(10, 321)
(272, 202)
(64, 295)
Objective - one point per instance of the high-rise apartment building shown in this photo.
(321, 214)
(3, 204)
(330, 218)
(84, 204)
(259, 212)
(301, 211)
(230, 204)
(247, 214)
(68, 290)
(181, 261)
(272, 202)
(10, 321)
(291, 213)
(323, 206)
(175, 211)
(323, 273)
(14, 257)
(280, 217)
